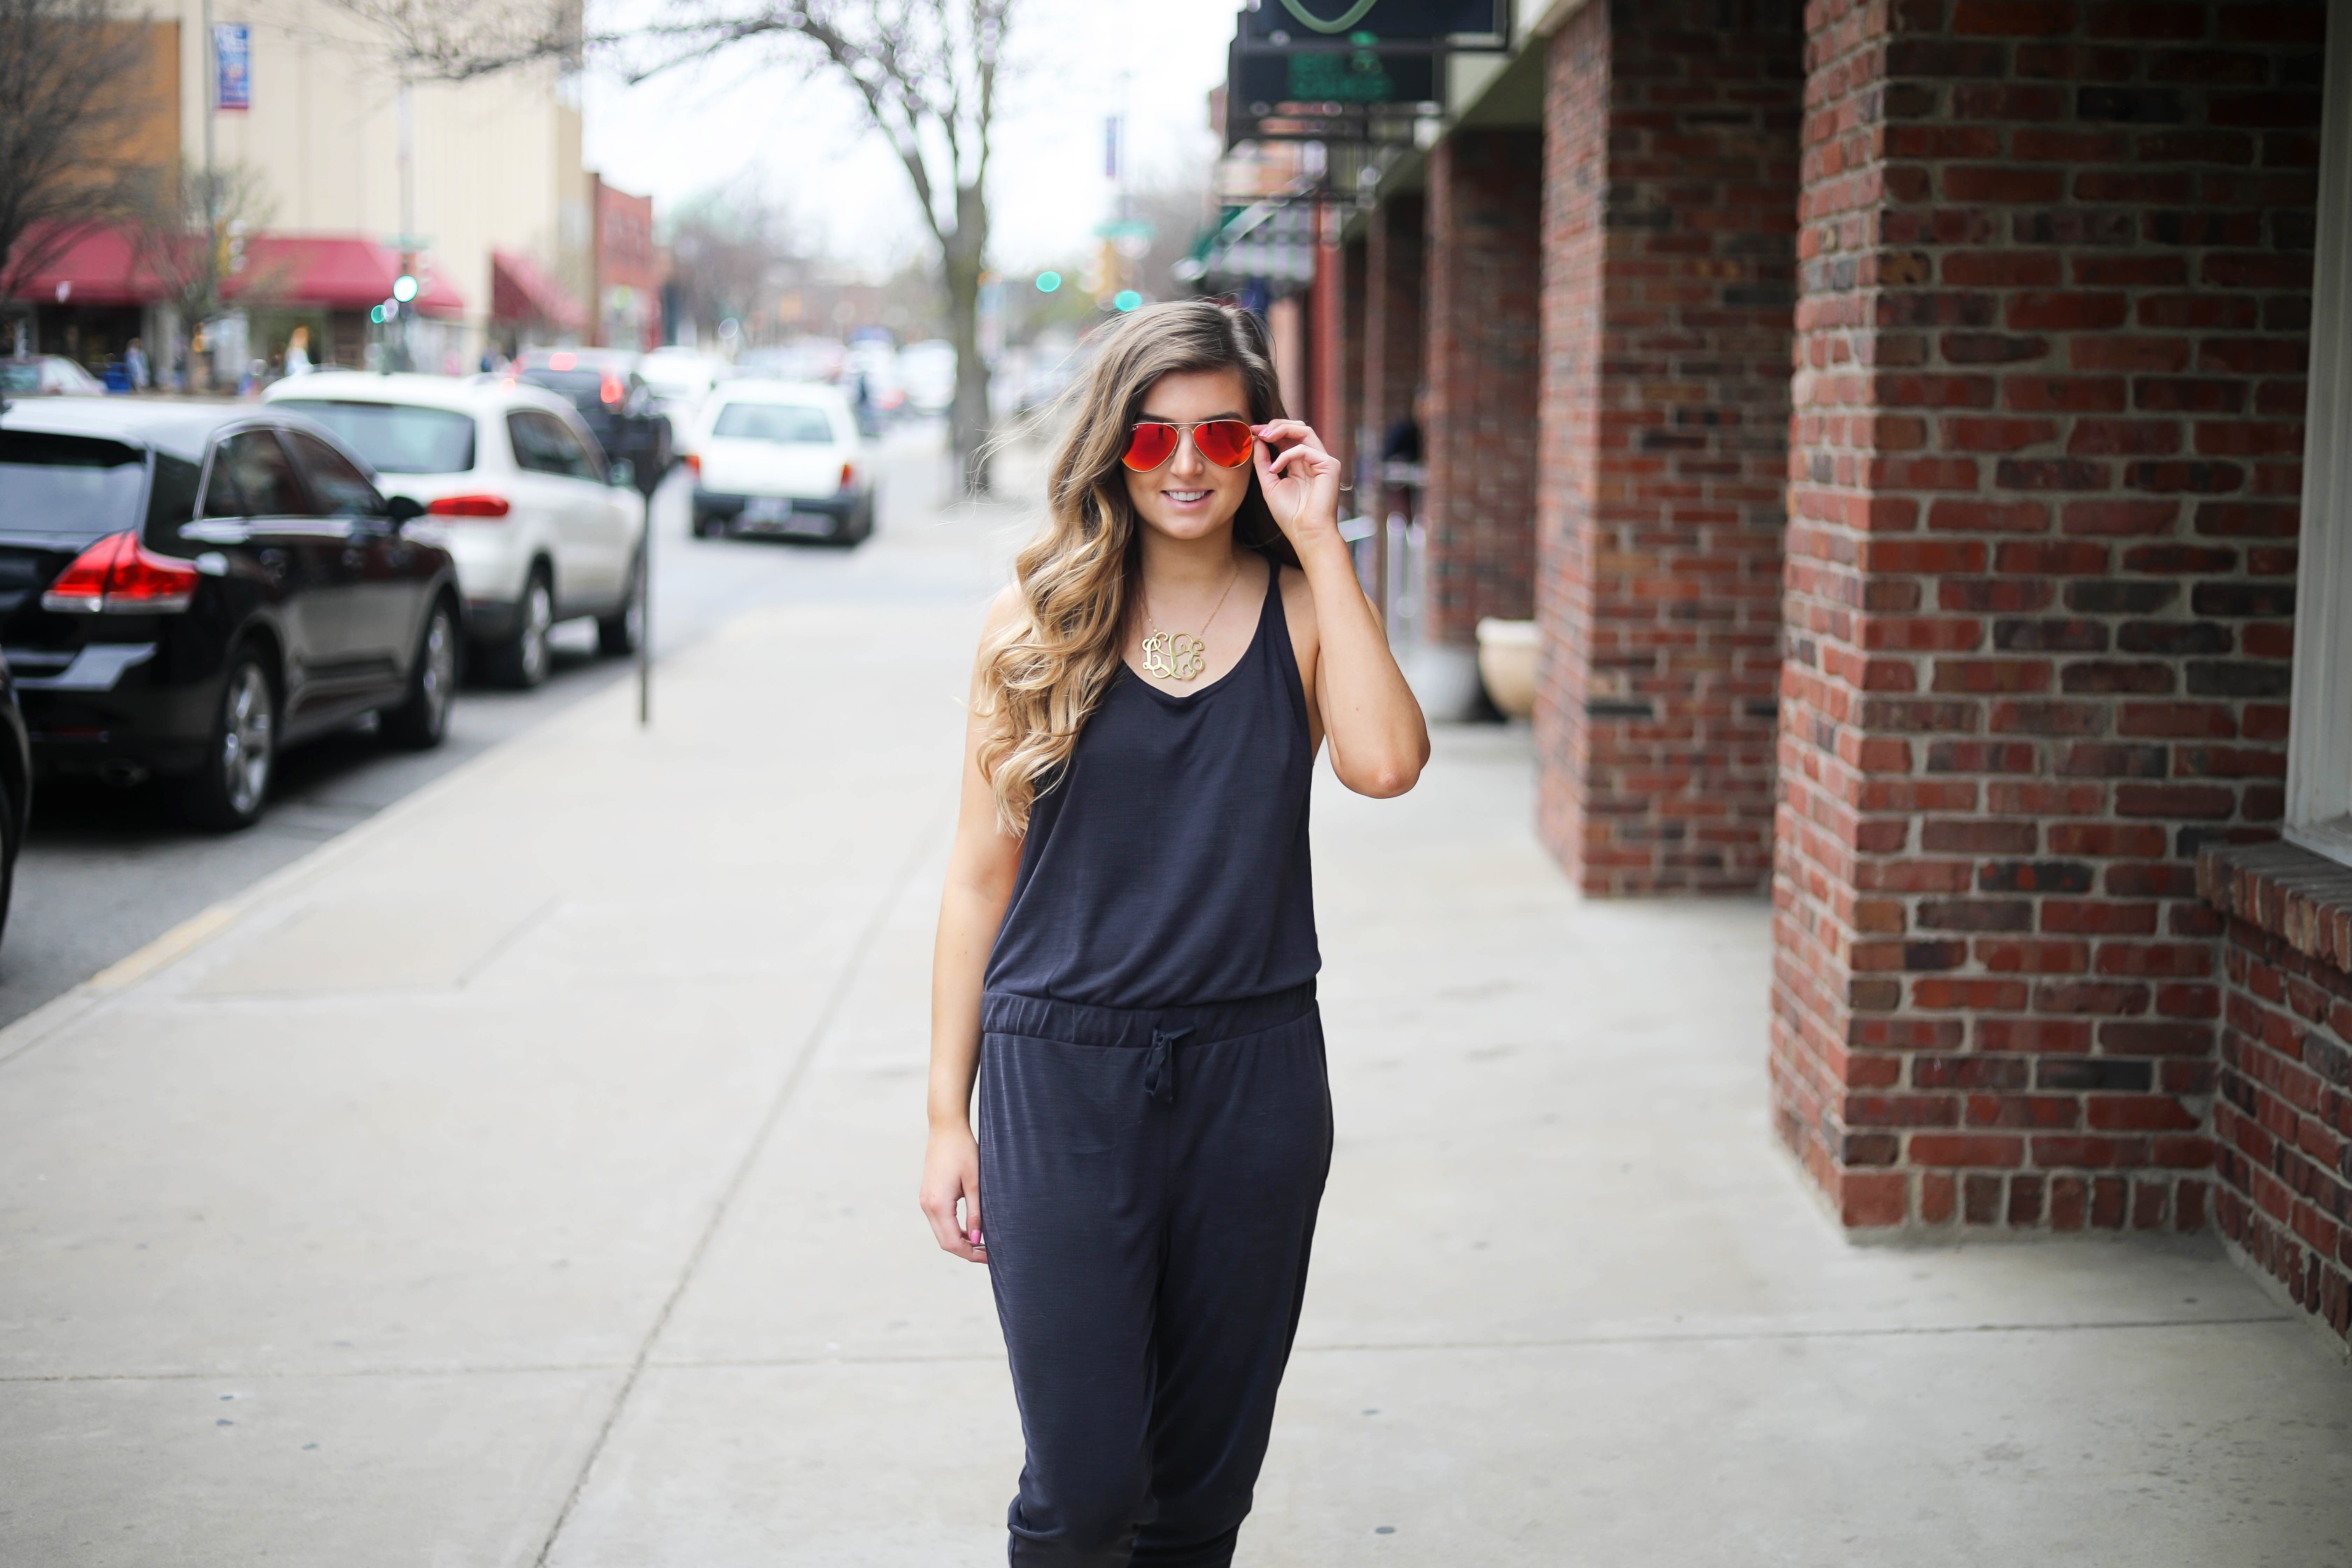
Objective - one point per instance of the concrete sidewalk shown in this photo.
(528, 1177)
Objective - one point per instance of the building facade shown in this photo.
(350, 177)
(1892, 414)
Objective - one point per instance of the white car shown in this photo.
(778, 456)
(516, 490)
(47, 375)
(928, 370)
(680, 381)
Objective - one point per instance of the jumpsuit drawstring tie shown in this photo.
(1159, 1066)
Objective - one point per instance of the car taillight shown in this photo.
(483, 507)
(118, 575)
(610, 391)
(693, 461)
(849, 475)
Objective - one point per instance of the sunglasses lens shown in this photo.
(1224, 442)
(1149, 446)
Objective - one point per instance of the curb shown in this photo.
(193, 934)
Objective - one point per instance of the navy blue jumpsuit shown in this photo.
(1155, 1123)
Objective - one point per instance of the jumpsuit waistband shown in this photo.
(1158, 1030)
(1082, 1024)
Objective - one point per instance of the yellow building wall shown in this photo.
(495, 161)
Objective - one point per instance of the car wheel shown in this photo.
(422, 720)
(227, 789)
(618, 633)
(520, 659)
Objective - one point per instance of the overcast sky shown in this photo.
(695, 130)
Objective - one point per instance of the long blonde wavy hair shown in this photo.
(1044, 675)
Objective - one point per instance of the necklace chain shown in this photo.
(1183, 656)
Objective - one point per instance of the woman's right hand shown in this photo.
(952, 1173)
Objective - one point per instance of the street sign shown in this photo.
(232, 67)
(1426, 22)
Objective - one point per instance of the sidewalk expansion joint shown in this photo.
(853, 966)
(992, 1357)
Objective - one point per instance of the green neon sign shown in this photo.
(1354, 13)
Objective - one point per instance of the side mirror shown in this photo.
(399, 510)
(621, 474)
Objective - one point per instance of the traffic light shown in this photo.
(1049, 281)
(404, 288)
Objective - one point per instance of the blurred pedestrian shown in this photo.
(134, 362)
(1127, 952)
(297, 352)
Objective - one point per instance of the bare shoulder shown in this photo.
(1004, 610)
(1297, 600)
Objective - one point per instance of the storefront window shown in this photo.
(2319, 745)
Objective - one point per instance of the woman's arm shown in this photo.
(1379, 739)
(981, 871)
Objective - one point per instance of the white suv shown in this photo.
(517, 489)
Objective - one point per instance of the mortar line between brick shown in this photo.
(851, 968)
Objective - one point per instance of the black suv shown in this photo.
(187, 588)
(619, 409)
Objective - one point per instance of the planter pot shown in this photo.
(1444, 681)
(1506, 663)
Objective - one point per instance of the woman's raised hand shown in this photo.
(1300, 481)
(952, 1173)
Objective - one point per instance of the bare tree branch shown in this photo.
(924, 72)
(70, 98)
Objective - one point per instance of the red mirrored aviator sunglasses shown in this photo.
(1224, 442)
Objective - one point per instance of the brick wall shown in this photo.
(1669, 216)
(1484, 206)
(1394, 328)
(2055, 269)
(1325, 401)
(2283, 1120)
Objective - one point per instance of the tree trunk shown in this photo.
(963, 261)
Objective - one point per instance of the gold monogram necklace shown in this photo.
(1183, 656)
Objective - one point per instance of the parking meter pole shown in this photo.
(646, 627)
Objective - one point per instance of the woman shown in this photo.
(1127, 952)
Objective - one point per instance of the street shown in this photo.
(526, 1175)
(105, 871)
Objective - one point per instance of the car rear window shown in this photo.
(796, 424)
(79, 487)
(395, 438)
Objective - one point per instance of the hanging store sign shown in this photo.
(1261, 80)
(232, 67)
(1429, 23)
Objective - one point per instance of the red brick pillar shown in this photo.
(1327, 328)
(1342, 437)
(1670, 250)
(1484, 205)
(1393, 330)
(2054, 265)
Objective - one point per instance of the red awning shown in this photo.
(101, 267)
(342, 272)
(338, 271)
(520, 294)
